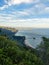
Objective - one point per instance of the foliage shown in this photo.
(44, 51)
(12, 54)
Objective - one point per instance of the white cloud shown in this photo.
(47, 9)
(23, 12)
(14, 2)
(3, 7)
(40, 5)
(37, 9)
(34, 23)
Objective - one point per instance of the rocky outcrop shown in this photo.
(11, 35)
(20, 39)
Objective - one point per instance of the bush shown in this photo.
(12, 54)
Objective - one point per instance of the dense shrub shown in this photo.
(12, 54)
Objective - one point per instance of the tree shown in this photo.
(44, 50)
(12, 54)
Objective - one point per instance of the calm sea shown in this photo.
(34, 36)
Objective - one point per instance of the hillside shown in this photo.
(13, 51)
(9, 28)
(12, 54)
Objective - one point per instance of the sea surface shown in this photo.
(33, 36)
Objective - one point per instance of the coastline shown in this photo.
(9, 28)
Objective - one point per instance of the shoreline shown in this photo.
(9, 28)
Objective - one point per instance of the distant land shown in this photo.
(9, 28)
(14, 29)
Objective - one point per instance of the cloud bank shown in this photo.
(32, 13)
(14, 2)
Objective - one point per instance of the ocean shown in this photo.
(33, 36)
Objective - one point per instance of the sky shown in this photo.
(24, 13)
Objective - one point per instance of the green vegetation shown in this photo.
(12, 54)
(44, 51)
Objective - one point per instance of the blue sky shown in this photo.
(31, 13)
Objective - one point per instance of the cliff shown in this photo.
(11, 35)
